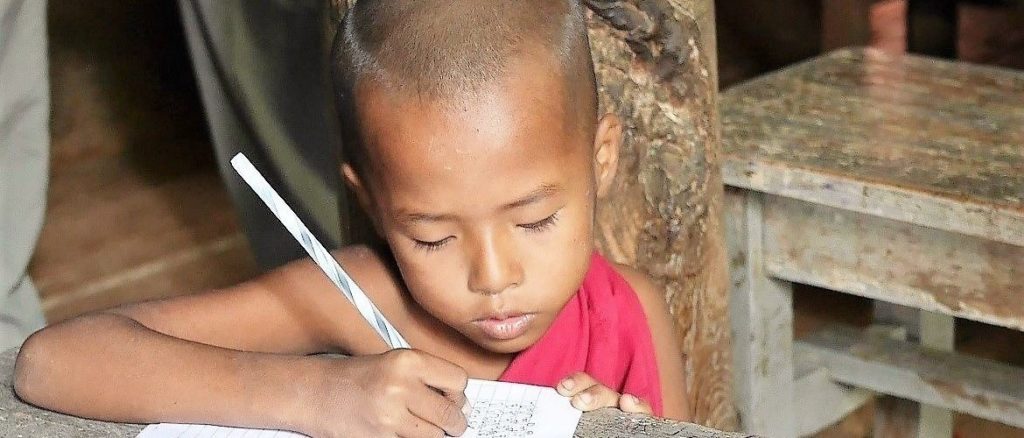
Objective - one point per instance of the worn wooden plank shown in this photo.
(762, 324)
(888, 260)
(612, 423)
(980, 387)
(819, 401)
(18, 419)
(938, 332)
(896, 417)
(919, 140)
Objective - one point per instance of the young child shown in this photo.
(476, 147)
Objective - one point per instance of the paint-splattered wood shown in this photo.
(924, 141)
(893, 261)
(18, 419)
(980, 387)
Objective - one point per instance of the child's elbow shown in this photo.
(30, 368)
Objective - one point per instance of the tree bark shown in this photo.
(656, 66)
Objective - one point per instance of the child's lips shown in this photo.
(505, 327)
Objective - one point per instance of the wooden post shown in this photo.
(656, 66)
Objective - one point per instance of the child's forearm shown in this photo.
(110, 367)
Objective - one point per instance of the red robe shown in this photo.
(602, 331)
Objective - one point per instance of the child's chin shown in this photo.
(506, 346)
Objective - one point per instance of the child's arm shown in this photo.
(236, 357)
(588, 394)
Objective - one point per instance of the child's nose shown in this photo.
(496, 268)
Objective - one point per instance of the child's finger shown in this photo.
(595, 397)
(633, 404)
(439, 411)
(440, 374)
(575, 383)
(415, 427)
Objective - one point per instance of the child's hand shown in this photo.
(405, 393)
(588, 394)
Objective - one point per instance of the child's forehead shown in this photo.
(530, 97)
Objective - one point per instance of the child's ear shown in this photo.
(606, 151)
(355, 183)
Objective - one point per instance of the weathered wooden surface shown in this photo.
(980, 387)
(893, 261)
(895, 178)
(655, 64)
(938, 332)
(656, 67)
(919, 140)
(818, 401)
(762, 324)
(18, 419)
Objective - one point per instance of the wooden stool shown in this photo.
(899, 179)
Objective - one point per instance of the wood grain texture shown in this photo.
(762, 323)
(893, 261)
(980, 387)
(920, 140)
(655, 62)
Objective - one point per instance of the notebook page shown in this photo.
(500, 410)
(507, 410)
(167, 430)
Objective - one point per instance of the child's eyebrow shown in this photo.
(540, 193)
(537, 195)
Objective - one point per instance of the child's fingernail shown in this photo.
(568, 384)
(586, 398)
(467, 409)
(633, 399)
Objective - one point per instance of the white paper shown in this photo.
(167, 430)
(500, 410)
(506, 410)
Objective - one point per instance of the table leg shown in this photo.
(761, 310)
(937, 332)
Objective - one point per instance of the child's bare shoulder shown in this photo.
(648, 292)
(666, 346)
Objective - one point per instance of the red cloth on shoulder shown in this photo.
(602, 331)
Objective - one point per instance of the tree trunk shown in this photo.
(656, 67)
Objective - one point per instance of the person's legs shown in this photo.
(24, 155)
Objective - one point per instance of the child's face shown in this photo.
(488, 207)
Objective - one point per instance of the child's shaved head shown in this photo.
(447, 52)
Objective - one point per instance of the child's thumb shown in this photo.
(634, 405)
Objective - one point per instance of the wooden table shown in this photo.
(899, 179)
(18, 419)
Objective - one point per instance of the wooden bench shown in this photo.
(899, 179)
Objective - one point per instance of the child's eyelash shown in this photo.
(532, 227)
(542, 224)
(431, 246)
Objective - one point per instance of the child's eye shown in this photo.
(432, 246)
(542, 224)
